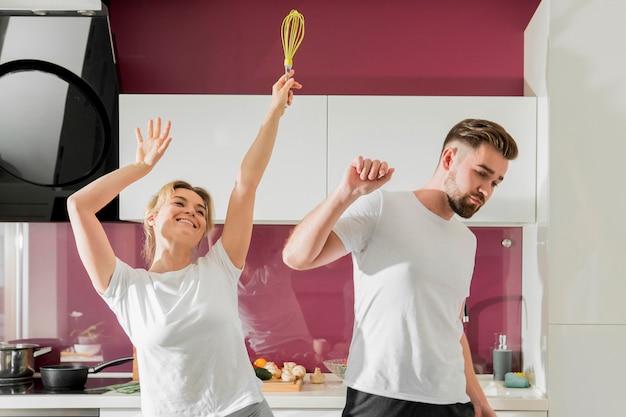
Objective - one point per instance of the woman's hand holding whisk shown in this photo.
(282, 93)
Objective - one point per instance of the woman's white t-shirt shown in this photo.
(185, 326)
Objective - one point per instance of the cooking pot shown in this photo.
(52, 358)
(73, 376)
(17, 360)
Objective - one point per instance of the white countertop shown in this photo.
(329, 395)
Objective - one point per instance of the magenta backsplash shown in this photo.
(315, 305)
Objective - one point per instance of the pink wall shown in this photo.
(396, 47)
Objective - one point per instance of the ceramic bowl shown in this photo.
(89, 349)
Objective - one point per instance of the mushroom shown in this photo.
(287, 375)
(298, 371)
(274, 369)
(317, 377)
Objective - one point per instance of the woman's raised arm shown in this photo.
(93, 246)
(238, 224)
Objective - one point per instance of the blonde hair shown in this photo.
(158, 201)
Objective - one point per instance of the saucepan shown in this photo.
(17, 360)
(73, 376)
(52, 358)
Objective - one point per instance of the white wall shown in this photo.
(587, 254)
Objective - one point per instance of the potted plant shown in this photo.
(89, 335)
(88, 339)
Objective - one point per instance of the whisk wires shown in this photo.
(292, 33)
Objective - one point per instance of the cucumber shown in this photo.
(263, 374)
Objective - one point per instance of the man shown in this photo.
(413, 263)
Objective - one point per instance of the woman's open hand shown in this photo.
(152, 148)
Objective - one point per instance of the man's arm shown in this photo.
(313, 242)
(482, 408)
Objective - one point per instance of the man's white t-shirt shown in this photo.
(412, 273)
(187, 332)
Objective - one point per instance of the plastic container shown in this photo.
(502, 359)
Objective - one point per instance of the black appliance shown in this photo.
(93, 386)
(58, 110)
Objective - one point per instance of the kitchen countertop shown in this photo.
(329, 395)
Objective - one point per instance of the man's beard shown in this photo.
(459, 202)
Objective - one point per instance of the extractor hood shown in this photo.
(58, 105)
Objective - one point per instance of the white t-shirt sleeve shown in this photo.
(357, 224)
(219, 255)
(116, 293)
(119, 283)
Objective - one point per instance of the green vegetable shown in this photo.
(263, 374)
(125, 388)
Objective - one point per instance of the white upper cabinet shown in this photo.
(408, 132)
(211, 134)
(317, 138)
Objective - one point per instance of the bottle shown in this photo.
(501, 359)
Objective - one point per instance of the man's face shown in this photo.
(473, 177)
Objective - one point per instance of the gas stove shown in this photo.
(33, 385)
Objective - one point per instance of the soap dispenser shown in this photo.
(501, 359)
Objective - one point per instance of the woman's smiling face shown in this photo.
(184, 214)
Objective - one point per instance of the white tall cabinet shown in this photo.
(587, 285)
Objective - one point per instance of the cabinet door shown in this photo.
(408, 132)
(122, 412)
(306, 413)
(522, 413)
(211, 134)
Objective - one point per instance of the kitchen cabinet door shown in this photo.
(306, 413)
(408, 132)
(122, 412)
(211, 134)
(277, 413)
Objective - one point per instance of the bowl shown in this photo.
(87, 349)
(336, 366)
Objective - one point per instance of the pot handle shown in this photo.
(42, 351)
(114, 362)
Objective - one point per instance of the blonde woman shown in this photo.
(181, 313)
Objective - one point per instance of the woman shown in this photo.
(181, 314)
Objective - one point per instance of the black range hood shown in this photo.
(58, 110)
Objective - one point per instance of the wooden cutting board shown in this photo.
(282, 386)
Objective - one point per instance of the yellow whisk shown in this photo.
(292, 33)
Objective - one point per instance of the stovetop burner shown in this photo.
(17, 388)
(34, 386)
(10, 381)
